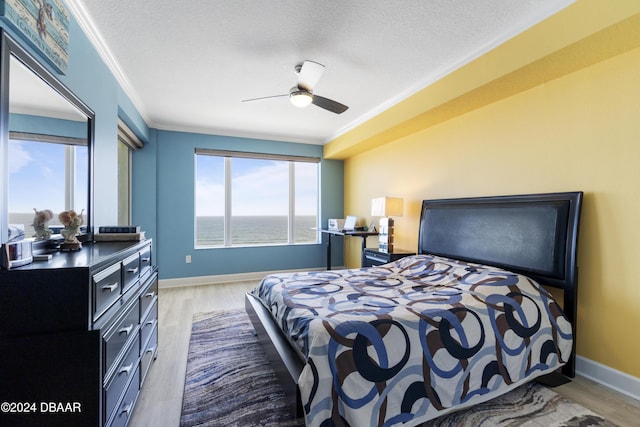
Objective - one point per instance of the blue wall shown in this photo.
(176, 216)
(163, 177)
(47, 125)
(91, 80)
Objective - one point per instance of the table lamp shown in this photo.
(386, 207)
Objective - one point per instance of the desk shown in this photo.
(331, 233)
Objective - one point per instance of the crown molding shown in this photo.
(90, 29)
(517, 28)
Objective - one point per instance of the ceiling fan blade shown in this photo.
(309, 74)
(329, 104)
(264, 97)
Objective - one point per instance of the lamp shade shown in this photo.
(387, 206)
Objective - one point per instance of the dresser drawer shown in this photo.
(130, 271)
(124, 330)
(148, 325)
(373, 258)
(106, 289)
(148, 296)
(145, 261)
(148, 354)
(125, 407)
(125, 371)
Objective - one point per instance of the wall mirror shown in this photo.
(47, 139)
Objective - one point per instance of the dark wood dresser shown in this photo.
(78, 334)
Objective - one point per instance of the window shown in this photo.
(251, 199)
(124, 183)
(45, 172)
(127, 142)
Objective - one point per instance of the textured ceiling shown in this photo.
(187, 65)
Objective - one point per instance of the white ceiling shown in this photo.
(187, 65)
(29, 94)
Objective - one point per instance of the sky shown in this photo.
(37, 177)
(260, 187)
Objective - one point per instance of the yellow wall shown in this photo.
(579, 131)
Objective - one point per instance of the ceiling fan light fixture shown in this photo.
(301, 95)
(301, 98)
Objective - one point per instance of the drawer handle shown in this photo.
(126, 409)
(147, 259)
(151, 350)
(133, 270)
(126, 330)
(125, 369)
(110, 288)
(150, 295)
(151, 322)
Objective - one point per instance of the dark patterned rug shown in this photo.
(229, 383)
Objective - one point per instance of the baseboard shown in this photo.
(222, 278)
(609, 377)
(208, 280)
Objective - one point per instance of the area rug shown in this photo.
(229, 382)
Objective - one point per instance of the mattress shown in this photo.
(411, 340)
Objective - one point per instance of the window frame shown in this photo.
(228, 156)
(129, 140)
(70, 144)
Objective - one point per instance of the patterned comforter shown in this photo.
(414, 339)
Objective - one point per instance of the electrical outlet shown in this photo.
(188, 259)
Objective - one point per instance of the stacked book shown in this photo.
(119, 233)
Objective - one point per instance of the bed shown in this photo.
(466, 319)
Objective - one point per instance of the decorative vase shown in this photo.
(41, 224)
(72, 222)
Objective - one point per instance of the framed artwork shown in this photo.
(43, 24)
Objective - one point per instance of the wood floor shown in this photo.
(160, 401)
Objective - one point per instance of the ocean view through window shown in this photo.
(45, 175)
(247, 199)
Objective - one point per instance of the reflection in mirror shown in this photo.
(48, 151)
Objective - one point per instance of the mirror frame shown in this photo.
(11, 48)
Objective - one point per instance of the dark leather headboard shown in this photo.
(535, 234)
(531, 234)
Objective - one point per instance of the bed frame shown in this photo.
(535, 235)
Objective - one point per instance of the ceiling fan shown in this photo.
(301, 95)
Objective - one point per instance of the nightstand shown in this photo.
(373, 257)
